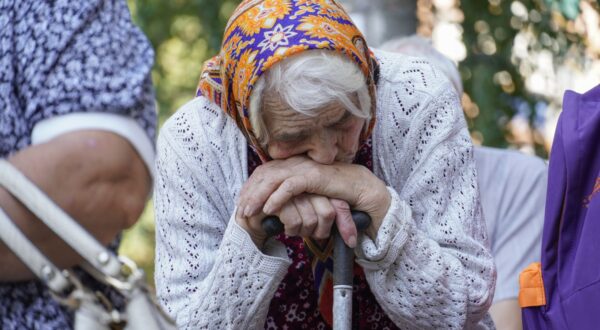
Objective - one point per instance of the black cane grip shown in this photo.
(361, 219)
(272, 226)
(343, 255)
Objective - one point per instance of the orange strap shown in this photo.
(532, 291)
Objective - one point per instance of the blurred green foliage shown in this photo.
(138, 242)
(569, 8)
(184, 34)
(493, 76)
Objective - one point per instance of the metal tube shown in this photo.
(343, 274)
(342, 307)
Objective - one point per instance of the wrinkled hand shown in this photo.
(298, 189)
(306, 215)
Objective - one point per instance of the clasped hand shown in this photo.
(309, 197)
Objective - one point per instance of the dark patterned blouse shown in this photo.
(59, 57)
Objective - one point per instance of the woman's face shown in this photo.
(332, 135)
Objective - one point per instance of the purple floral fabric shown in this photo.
(58, 57)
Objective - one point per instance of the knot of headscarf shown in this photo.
(261, 33)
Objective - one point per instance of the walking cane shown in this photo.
(343, 266)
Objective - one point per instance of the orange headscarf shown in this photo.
(261, 33)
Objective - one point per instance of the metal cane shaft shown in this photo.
(343, 274)
(342, 307)
(343, 267)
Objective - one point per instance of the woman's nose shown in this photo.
(324, 149)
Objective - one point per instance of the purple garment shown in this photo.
(571, 239)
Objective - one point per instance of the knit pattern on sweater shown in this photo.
(428, 267)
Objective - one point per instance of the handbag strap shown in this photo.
(101, 263)
(59, 221)
(31, 256)
(64, 286)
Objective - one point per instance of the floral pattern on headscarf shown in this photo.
(262, 33)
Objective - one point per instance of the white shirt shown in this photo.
(513, 197)
(125, 127)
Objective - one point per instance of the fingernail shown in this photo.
(352, 241)
(247, 211)
(267, 209)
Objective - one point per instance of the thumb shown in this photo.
(343, 220)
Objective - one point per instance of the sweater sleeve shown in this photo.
(429, 266)
(209, 274)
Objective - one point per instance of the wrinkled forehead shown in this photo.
(274, 106)
(282, 122)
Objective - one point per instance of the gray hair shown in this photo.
(421, 47)
(306, 83)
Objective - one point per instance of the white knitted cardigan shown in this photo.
(429, 266)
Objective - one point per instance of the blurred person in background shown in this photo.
(297, 118)
(77, 117)
(513, 195)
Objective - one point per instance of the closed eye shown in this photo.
(292, 138)
(340, 123)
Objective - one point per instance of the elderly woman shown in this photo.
(298, 118)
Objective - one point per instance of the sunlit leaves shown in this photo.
(184, 34)
(507, 43)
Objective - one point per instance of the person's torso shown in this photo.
(405, 87)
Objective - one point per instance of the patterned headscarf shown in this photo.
(261, 33)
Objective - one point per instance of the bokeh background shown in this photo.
(516, 59)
